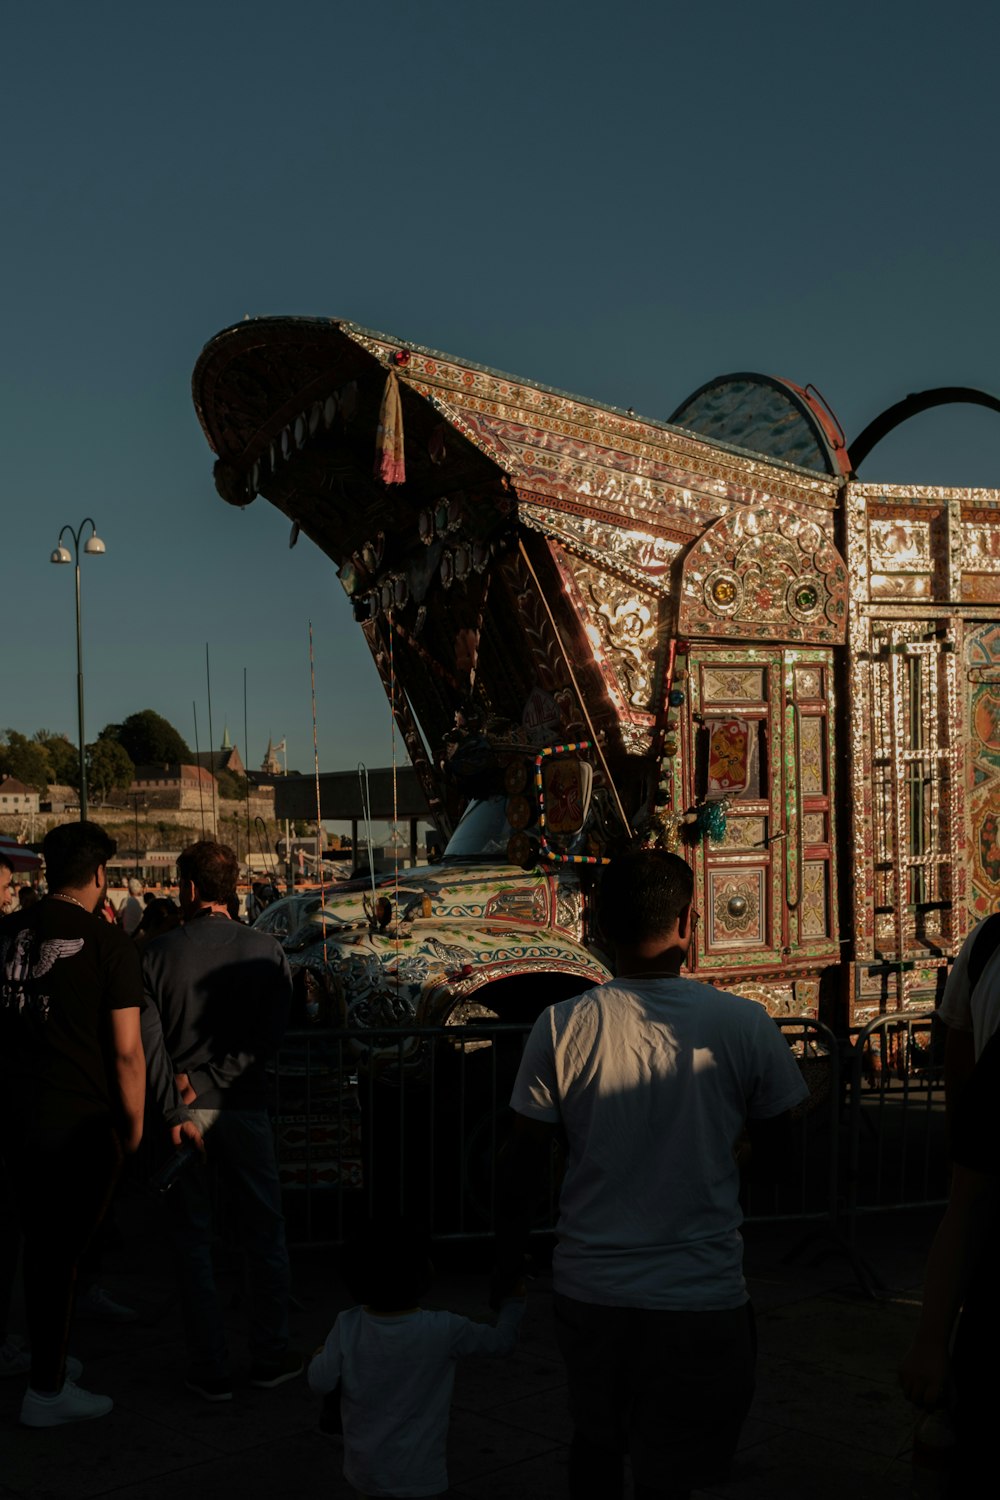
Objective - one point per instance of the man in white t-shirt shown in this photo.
(970, 1005)
(650, 1079)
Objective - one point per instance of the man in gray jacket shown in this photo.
(217, 996)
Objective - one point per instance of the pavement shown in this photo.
(828, 1419)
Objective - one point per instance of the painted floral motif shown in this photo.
(429, 969)
(811, 769)
(728, 755)
(812, 906)
(736, 907)
(899, 545)
(726, 686)
(986, 718)
(742, 833)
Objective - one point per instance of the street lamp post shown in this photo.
(62, 554)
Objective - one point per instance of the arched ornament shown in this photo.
(764, 574)
(768, 415)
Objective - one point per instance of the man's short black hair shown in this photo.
(212, 868)
(642, 895)
(5, 864)
(74, 852)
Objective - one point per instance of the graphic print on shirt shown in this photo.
(20, 975)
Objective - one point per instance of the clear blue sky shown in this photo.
(621, 201)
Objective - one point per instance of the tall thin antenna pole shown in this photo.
(319, 821)
(395, 795)
(211, 748)
(246, 767)
(197, 754)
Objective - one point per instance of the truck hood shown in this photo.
(451, 892)
(429, 972)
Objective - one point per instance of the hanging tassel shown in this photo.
(389, 464)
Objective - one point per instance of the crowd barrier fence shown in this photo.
(409, 1120)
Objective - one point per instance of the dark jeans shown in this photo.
(975, 1378)
(671, 1389)
(239, 1148)
(62, 1188)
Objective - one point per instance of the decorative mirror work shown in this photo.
(627, 626)
(767, 573)
(645, 557)
(621, 628)
(982, 655)
(981, 558)
(736, 908)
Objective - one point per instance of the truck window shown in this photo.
(483, 832)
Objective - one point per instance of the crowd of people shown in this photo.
(141, 912)
(159, 1019)
(162, 1022)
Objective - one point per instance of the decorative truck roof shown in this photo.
(587, 501)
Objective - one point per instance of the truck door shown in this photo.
(761, 738)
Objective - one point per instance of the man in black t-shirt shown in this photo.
(72, 1081)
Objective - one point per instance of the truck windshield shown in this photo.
(483, 832)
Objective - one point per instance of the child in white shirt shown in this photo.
(394, 1364)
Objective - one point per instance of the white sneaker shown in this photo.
(16, 1360)
(71, 1404)
(94, 1303)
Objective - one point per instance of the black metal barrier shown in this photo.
(897, 1153)
(410, 1120)
(406, 1120)
(808, 1188)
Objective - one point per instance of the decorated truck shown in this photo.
(596, 629)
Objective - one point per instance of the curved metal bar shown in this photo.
(77, 535)
(911, 406)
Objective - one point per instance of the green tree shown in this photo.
(108, 768)
(232, 788)
(25, 760)
(148, 739)
(64, 761)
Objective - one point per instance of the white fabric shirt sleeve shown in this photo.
(325, 1367)
(776, 1083)
(535, 1090)
(485, 1338)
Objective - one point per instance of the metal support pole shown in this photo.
(79, 690)
(62, 554)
